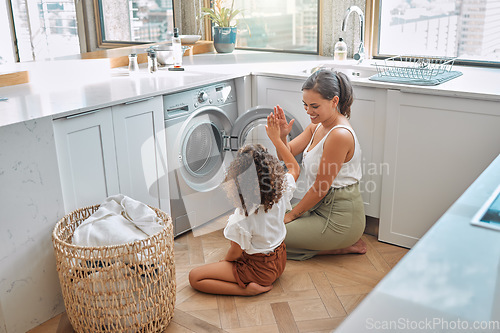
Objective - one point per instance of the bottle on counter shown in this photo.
(340, 50)
(177, 49)
(152, 61)
(133, 65)
(168, 36)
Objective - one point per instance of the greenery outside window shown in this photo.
(133, 21)
(466, 29)
(278, 25)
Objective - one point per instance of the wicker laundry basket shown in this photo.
(122, 288)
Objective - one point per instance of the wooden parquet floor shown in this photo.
(311, 296)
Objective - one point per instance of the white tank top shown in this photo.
(350, 172)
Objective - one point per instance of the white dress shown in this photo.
(262, 232)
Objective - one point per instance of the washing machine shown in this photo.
(203, 133)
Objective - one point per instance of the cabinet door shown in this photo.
(286, 93)
(435, 147)
(140, 151)
(368, 121)
(86, 158)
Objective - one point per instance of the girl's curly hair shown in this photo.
(255, 177)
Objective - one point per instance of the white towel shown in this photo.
(118, 220)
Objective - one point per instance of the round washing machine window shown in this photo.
(255, 132)
(250, 128)
(201, 149)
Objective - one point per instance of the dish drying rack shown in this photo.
(415, 67)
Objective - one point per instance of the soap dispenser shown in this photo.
(177, 49)
(340, 50)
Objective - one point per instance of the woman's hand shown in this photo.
(289, 217)
(285, 127)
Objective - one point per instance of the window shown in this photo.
(278, 25)
(134, 21)
(467, 29)
(7, 54)
(45, 28)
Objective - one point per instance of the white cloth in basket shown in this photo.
(118, 220)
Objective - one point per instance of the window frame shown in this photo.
(99, 27)
(12, 32)
(113, 44)
(373, 36)
(19, 51)
(209, 25)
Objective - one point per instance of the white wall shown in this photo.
(30, 205)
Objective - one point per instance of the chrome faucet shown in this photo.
(360, 55)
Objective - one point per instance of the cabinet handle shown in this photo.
(139, 100)
(81, 114)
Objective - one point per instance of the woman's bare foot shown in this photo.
(359, 247)
(255, 289)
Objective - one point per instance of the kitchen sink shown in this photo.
(352, 71)
(358, 72)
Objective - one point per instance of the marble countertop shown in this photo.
(63, 87)
(450, 278)
(475, 83)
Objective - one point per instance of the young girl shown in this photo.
(262, 191)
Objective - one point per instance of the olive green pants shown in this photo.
(336, 222)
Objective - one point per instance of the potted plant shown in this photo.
(224, 29)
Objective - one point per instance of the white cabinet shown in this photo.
(367, 119)
(435, 148)
(287, 93)
(113, 150)
(85, 149)
(141, 151)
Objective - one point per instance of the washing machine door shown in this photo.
(250, 128)
(200, 149)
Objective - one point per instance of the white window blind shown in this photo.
(45, 28)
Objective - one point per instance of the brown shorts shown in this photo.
(260, 268)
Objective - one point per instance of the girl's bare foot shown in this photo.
(255, 289)
(359, 247)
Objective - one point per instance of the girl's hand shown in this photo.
(285, 127)
(273, 128)
(234, 252)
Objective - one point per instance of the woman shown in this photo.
(330, 218)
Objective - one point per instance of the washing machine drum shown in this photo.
(200, 148)
(250, 128)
